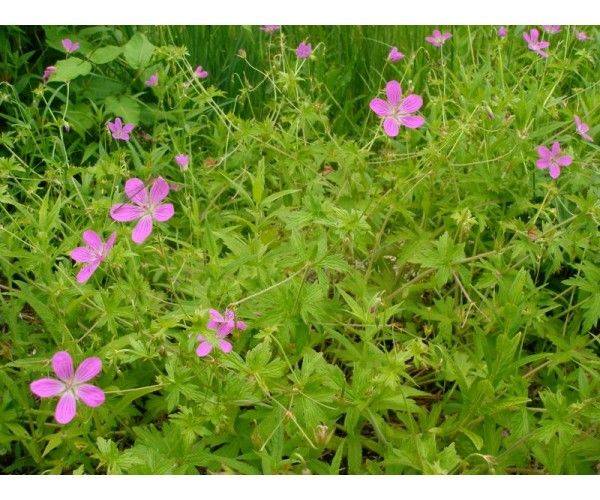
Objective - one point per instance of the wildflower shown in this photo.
(200, 73)
(146, 207)
(396, 110)
(69, 45)
(502, 31)
(183, 161)
(304, 50)
(119, 130)
(223, 326)
(48, 72)
(395, 55)
(552, 29)
(437, 39)
(152, 81)
(582, 129)
(535, 44)
(552, 159)
(582, 36)
(70, 386)
(270, 28)
(92, 254)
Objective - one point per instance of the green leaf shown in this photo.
(69, 69)
(106, 54)
(138, 51)
(124, 106)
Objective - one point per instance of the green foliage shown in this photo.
(425, 304)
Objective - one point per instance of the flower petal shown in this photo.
(555, 148)
(81, 254)
(91, 395)
(564, 161)
(412, 121)
(65, 409)
(542, 163)
(124, 212)
(554, 171)
(544, 152)
(62, 364)
(159, 190)
(163, 212)
(393, 91)
(225, 328)
(240, 325)
(142, 229)
(92, 240)
(380, 107)
(204, 348)
(86, 272)
(225, 346)
(110, 242)
(88, 369)
(136, 191)
(46, 387)
(391, 127)
(411, 103)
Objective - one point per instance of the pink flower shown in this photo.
(304, 50)
(438, 39)
(200, 73)
(48, 72)
(535, 44)
(92, 254)
(183, 161)
(152, 81)
(223, 326)
(582, 36)
(582, 129)
(395, 55)
(270, 28)
(396, 110)
(119, 130)
(552, 159)
(146, 207)
(69, 45)
(551, 29)
(502, 31)
(70, 386)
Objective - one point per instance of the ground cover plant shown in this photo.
(301, 250)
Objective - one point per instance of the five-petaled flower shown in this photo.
(502, 31)
(71, 386)
(119, 130)
(397, 110)
(152, 81)
(69, 45)
(92, 254)
(146, 207)
(582, 36)
(535, 44)
(582, 129)
(304, 50)
(395, 55)
(182, 160)
(552, 159)
(223, 325)
(552, 28)
(270, 28)
(437, 38)
(200, 73)
(48, 72)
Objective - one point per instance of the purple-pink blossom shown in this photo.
(395, 55)
(200, 72)
(396, 110)
(70, 386)
(182, 160)
(535, 44)
(552, 28)
(502, 31)
(92, 254)
(69, 45)
(48, 72)
(437, 38)
(119, 130)
(552, 159)
(582, 36)
(582, 129)
(270, 28)
(152, 81)
(146, 207)
(304, 50)
(223, 325)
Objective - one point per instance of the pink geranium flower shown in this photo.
(119, 130)
(152, 81)
(553, 28)
(552, 159)
(223, 326)
(397, 110)
(304, 50)
(582, 36)
(395, 55)
(146, 207)
(69, 45)
(582, 129)
(183, 161)
(270, 28)
(92, 254)
(70, 386)
(502, 31)
(200, 73)
(48, 72)
(438, 38)
(535, 44)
